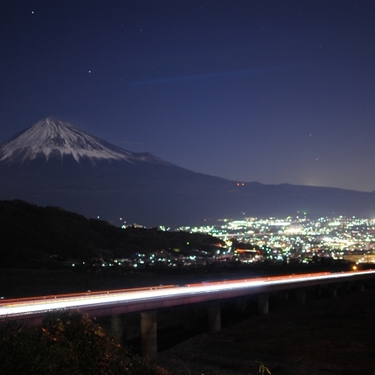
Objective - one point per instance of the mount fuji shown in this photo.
(55, 139)
(53, 163)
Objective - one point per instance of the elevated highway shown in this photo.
(147, 301)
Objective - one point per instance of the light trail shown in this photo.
(25, 306)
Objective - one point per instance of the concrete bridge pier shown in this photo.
(149, 342)
(190, 318)
(346, 287)
(318, 291)
(118, 328)
(241, 304)
(263, 304)
(285, 295)
(214, 316)
(333, 291)
(301, 296)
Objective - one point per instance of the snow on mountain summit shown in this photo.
(54, 138)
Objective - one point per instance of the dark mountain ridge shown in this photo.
(53, 163)
(30, 233)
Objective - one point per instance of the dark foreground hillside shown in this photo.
(328, 336)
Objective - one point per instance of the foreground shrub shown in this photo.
(65, 343)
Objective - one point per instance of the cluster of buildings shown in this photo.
(297, 239)
(271, 241)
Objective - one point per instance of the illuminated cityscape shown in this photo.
(293, 240)
(297, 239)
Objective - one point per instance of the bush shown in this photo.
(65, 343)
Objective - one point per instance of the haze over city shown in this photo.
(266, 90)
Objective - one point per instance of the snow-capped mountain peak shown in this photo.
(53, 138)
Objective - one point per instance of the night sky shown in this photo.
(274, 91)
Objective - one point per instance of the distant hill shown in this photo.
(31, 233)
(54, 164)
